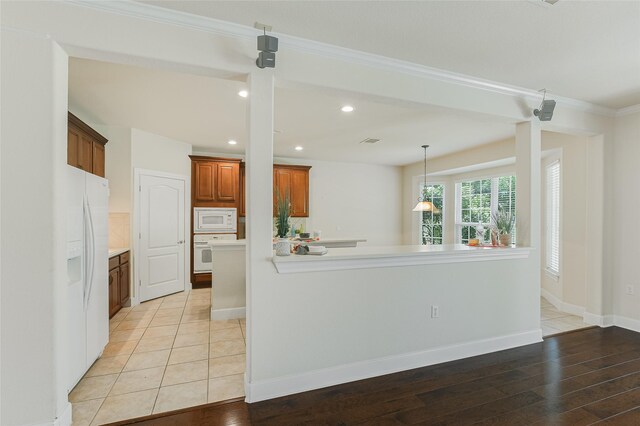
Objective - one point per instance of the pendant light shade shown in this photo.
(424, 205)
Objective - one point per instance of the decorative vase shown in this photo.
(283, 247)
(505, 240)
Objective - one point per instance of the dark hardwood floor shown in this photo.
(585, 377)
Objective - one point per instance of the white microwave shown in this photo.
(215, 220)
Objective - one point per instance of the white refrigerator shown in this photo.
(87, 269)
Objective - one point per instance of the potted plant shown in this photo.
(283, 211)
(504, 221)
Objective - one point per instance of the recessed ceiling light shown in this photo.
(299, 148)
(232, 142)
(243, 93)
(347, 108)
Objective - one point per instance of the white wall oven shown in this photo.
(209, 220)
(202, 251)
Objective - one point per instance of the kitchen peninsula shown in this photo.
(405, 255)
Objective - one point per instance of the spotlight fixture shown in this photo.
(243, 93)
(347, 108)
(232, 142)
(298, 148)
(268, 46)
(545, 111)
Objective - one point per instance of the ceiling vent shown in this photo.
(370, 141)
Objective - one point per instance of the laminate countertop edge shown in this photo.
(390, 256)
(117, 251)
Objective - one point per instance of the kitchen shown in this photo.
(145, 171)
(179, 210)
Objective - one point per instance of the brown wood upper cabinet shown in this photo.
(216, 181)
(85, 146)
(294, 181)
(288, 179)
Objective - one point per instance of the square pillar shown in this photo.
(259, 191)
(528, 178)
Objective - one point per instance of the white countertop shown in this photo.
(117, 251)
(386, 256)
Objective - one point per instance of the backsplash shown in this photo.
(296, 223)
(119, 230)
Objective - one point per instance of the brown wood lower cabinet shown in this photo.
(119, 282)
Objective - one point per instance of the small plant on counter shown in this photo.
(283, 211)
(504, 222)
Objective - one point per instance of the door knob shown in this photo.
(181, 242)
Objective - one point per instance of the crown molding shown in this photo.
(628, 110)
(215, 26)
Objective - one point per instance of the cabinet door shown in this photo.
(114, 290)
(299, 185)
(85, 153)
(124, 283)
(281, 186)
(73, 146)
(205, 173)
(226, 183)
(243, 206)
(98, 159)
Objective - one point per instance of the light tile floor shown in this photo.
(555, 321)
(162, 355)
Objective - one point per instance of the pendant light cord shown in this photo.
(425, 171)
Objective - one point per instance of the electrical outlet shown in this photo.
(435, 311)
(630, 290)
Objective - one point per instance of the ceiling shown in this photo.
(206, 112)
(587, 50)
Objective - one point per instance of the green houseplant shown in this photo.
(504, 222)
(283, 211)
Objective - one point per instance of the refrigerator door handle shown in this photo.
(91, 255)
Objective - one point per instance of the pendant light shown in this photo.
(424, 205)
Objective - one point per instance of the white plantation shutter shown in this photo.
(553, 218)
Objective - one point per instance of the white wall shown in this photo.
(571, 287)
(118, 169)
(351, 200)
(625, 211)
(33, 225)
(154, 152)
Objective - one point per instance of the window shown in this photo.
(431, 224)
(553, 218)
(478, 200)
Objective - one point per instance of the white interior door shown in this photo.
(161, 260)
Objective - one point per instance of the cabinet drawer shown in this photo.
(124, 257)
(114, 262)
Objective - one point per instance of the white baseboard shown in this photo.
(562, 306)
(229, 313)
(600, 320)
(628, 323)
(287, 385)
(64, 419)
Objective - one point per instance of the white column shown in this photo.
(528, 182)
(528, 147)
(259, 190)
(596, 298)
(33, 226)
